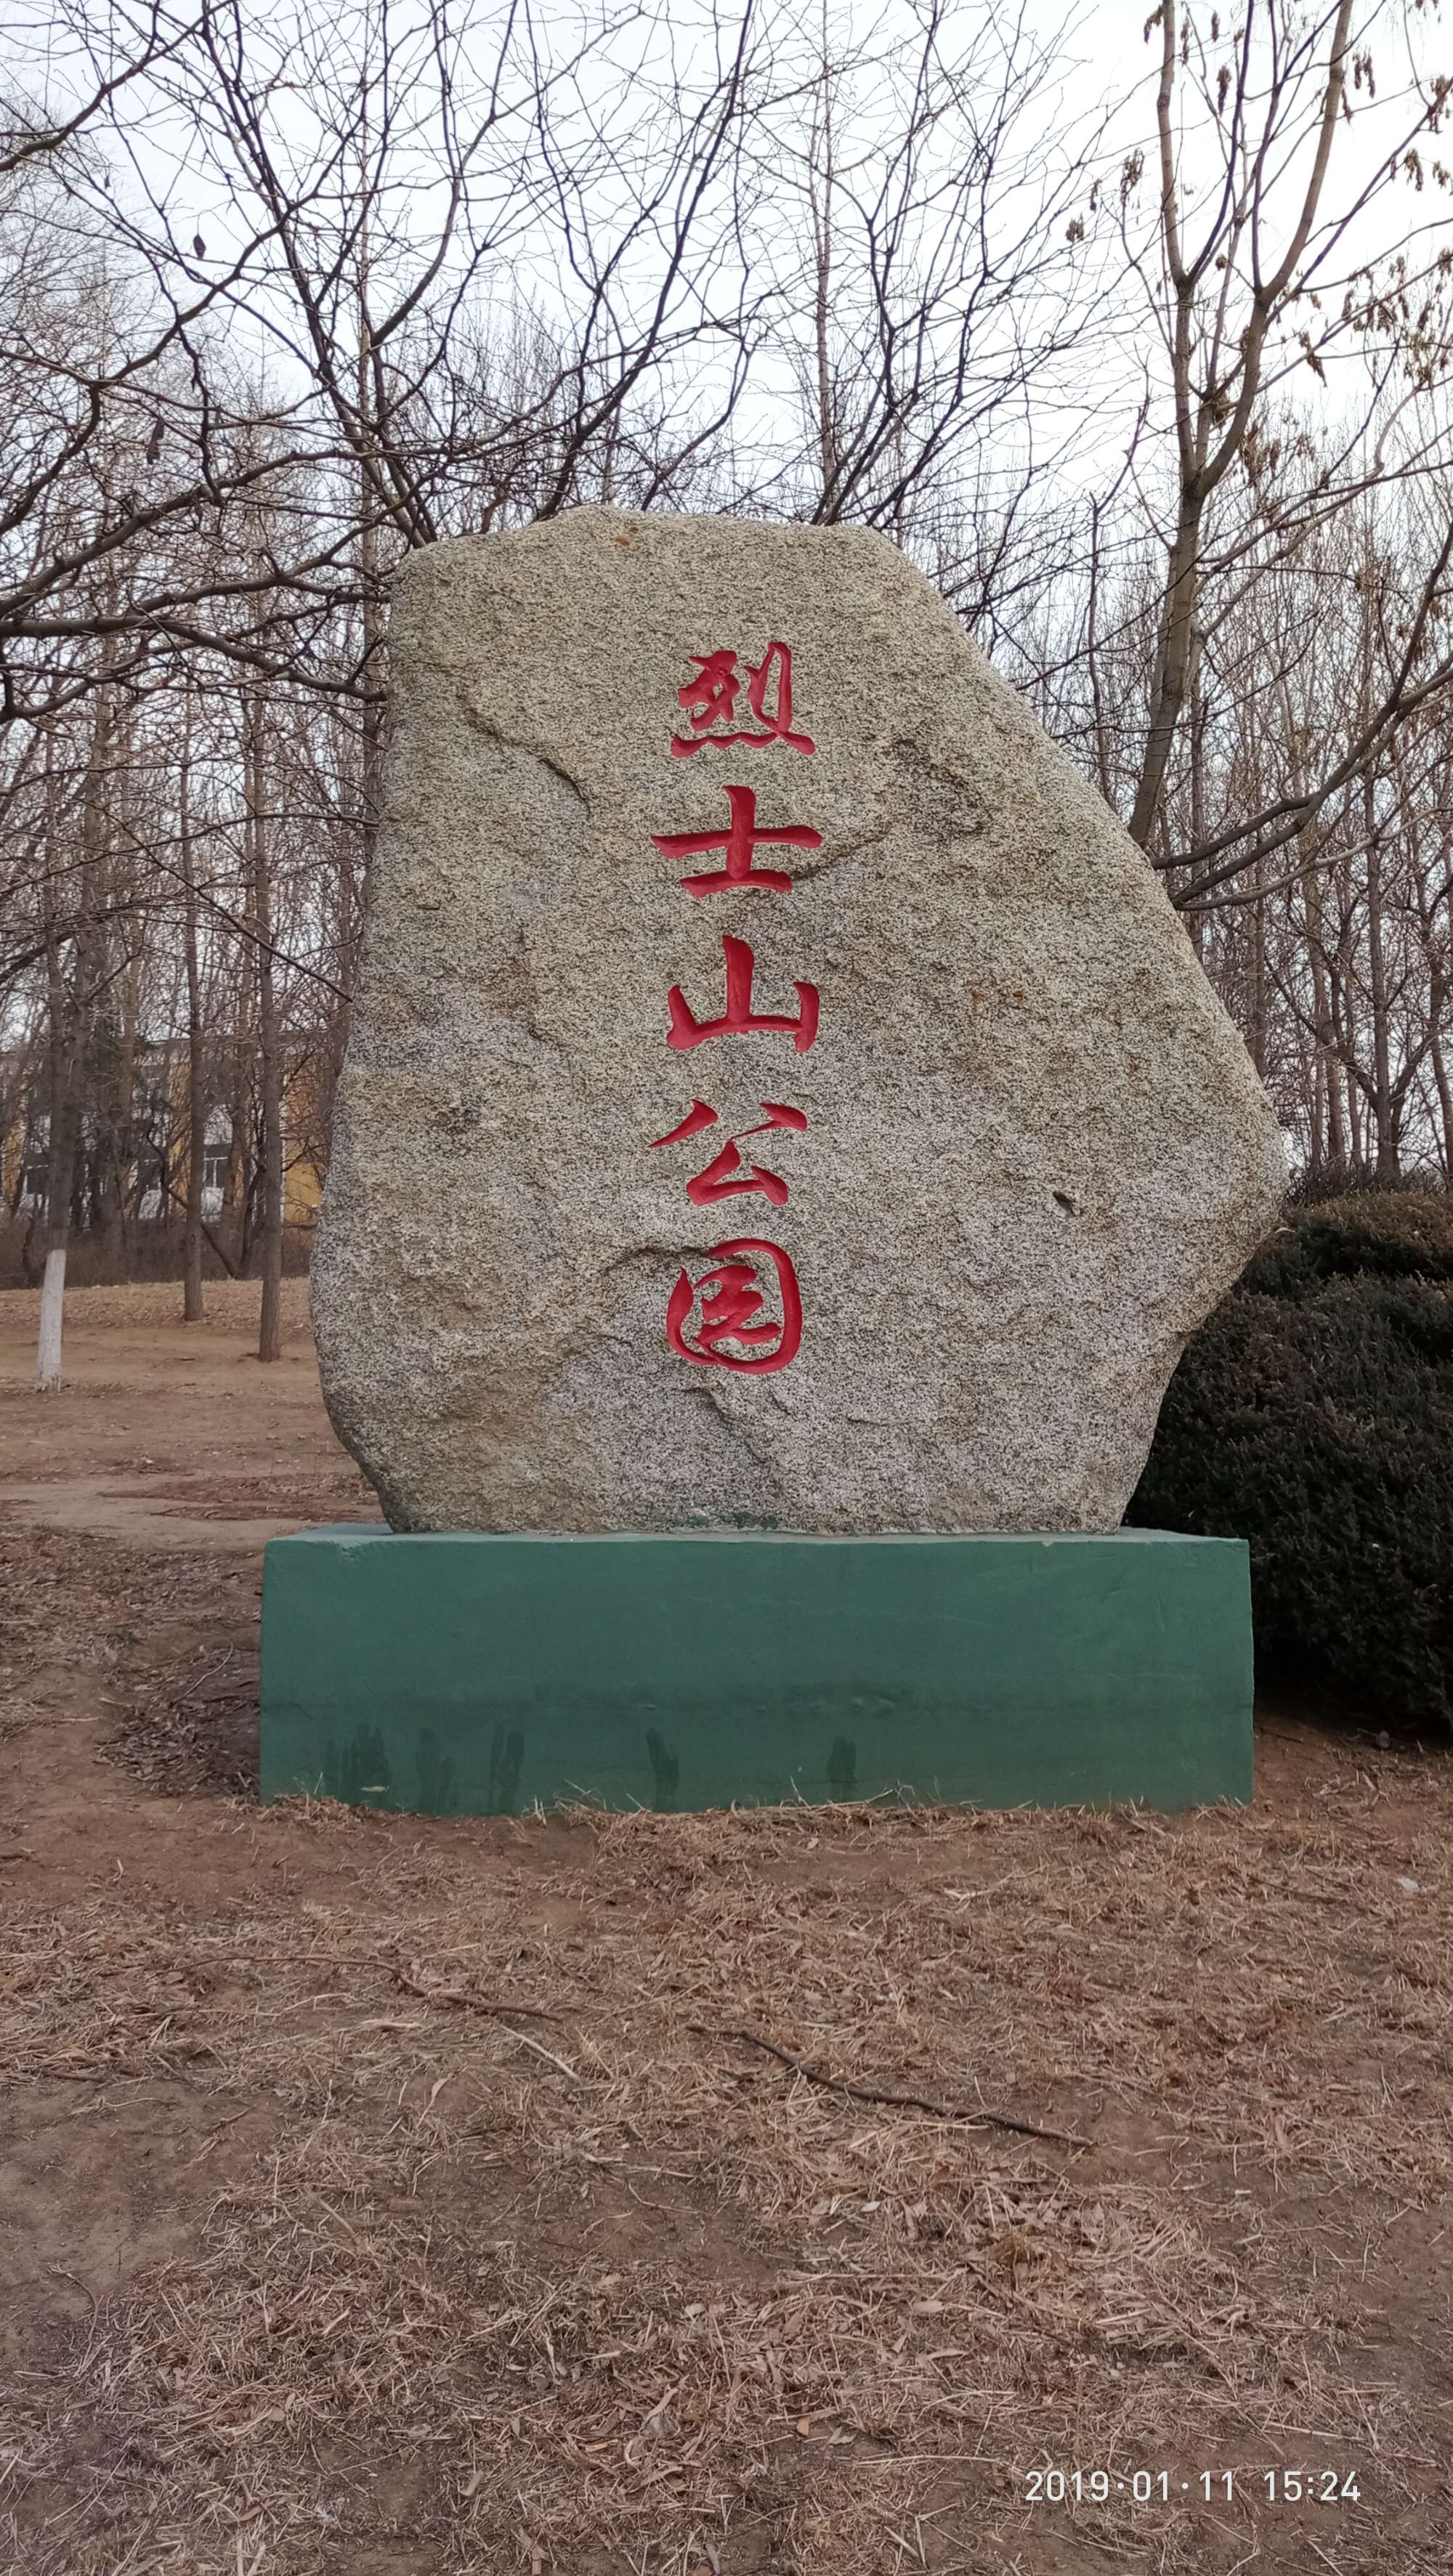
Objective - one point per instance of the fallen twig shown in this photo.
(467, 2002)
(541, 2050)
(901, 2101)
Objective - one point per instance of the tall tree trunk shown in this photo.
(1385, 1136)
(1329, 1139)
(1440, 982)
(1215, 391)
(1196, 923)
(269, 1338)
(1258, 1014)
(1354, 1120)
(1172, 663)
(1097, 694)
(1445, 1096)
(69, 1022)
(828, 458)
(124, 1138)
(129, 1140)
(60, 1180)
(193, 1303)
(62, 1074)
(237, 1184)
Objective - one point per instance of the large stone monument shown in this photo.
(780, 1099)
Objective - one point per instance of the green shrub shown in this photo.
(1312, 1415)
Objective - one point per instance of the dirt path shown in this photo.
(381, 2195)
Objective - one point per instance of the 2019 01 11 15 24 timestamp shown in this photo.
(1293, 2486)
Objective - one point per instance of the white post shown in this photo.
(52, 1315)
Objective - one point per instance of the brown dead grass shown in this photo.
(606, 2285)
(153, 1305)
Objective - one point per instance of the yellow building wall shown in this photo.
(302, 1193)
(302, 1181)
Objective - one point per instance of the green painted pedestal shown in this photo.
(477, 1675)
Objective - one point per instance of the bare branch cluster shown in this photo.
(1154, 383)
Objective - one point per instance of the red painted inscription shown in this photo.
(745, 1311)
(738, 841)
(725, 1303)
(699, 1115)
(727, 1176)
(711, 699)
(739, 1016)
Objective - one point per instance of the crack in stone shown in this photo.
(531, 750)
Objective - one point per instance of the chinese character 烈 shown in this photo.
(711, 698)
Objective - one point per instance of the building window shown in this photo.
(214, 1168)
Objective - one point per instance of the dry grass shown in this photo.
(536, 2266)
(150, 1305)
(386, 2198)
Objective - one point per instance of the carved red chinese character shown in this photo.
(724, 1305)
(726, 1176)
(738, 841)
(711, 698)
(708, 699)
(739, 1017)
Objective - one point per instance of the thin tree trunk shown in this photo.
(269, 1338)
(128, 1139)
(1198, 780)
(1328, 1139)
(1260, 1052)
(823, 218)
(1097, 694)
(1445, 1098)
(1439, 984)
(1331, 1141)
(1214, 404)
(237, 1184)
(65, 1087)
(1385, 1127)
(61, 1137)
(193, 1302)
(1354, 1118)
(1173, 660)
(125, 1139)
(69, 1021)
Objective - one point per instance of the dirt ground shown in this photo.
(822, 2191)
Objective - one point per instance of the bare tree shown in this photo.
(946, 277)
(1260, 267)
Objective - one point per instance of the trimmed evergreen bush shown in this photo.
(1312, 1415)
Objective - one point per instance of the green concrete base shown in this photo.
(478, 1675)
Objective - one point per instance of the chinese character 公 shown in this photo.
(726, 1176)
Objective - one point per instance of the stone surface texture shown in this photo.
(1036, 1150)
